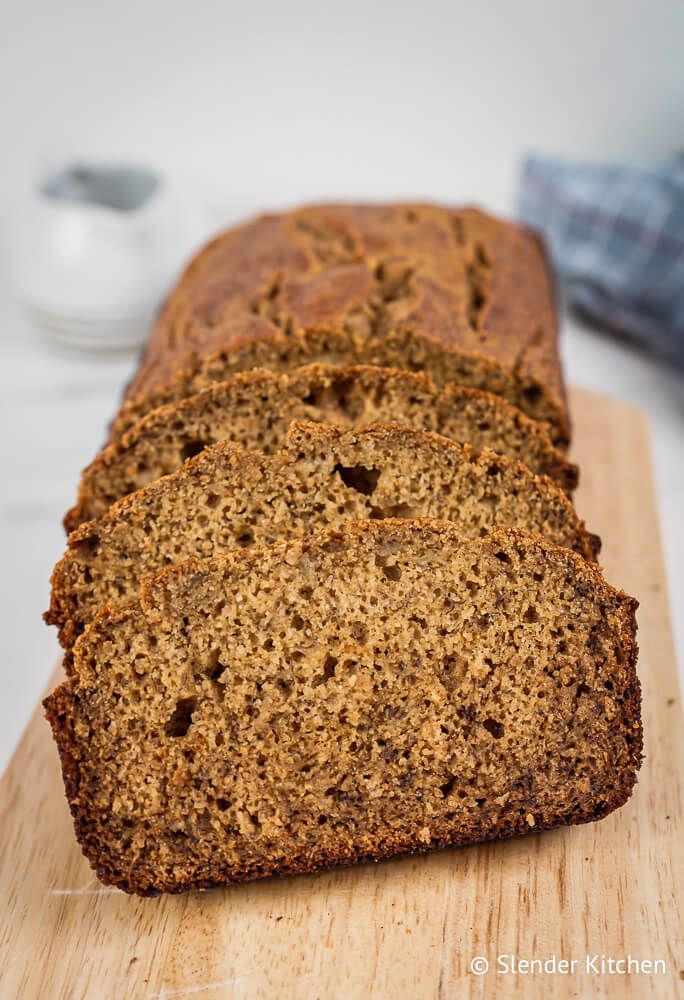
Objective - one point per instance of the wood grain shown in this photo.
(405, 929)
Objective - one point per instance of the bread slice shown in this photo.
(389, 688)
(256, 408)
(226, 497)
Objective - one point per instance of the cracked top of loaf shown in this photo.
(452, 292)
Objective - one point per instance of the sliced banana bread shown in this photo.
(227, 497)
(256, 409)
(389, 688)
(464, 297)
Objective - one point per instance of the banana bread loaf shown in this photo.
(227, 497)
(463, 297)
(389, 688)
(256, 408)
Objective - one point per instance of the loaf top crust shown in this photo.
(410, 283)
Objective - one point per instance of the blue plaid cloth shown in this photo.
(616, 235)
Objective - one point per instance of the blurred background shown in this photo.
(245, 107)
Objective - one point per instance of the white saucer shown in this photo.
(98, 246)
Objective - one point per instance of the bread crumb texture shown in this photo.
(227, 497)
(256, 408)
(386, 688)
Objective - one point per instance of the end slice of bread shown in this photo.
(389, 688)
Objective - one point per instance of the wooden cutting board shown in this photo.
(408, 928)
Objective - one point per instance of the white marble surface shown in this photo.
(55, 407)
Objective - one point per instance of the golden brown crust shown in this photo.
(352, 395)
(456, 293)
(161, 592)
